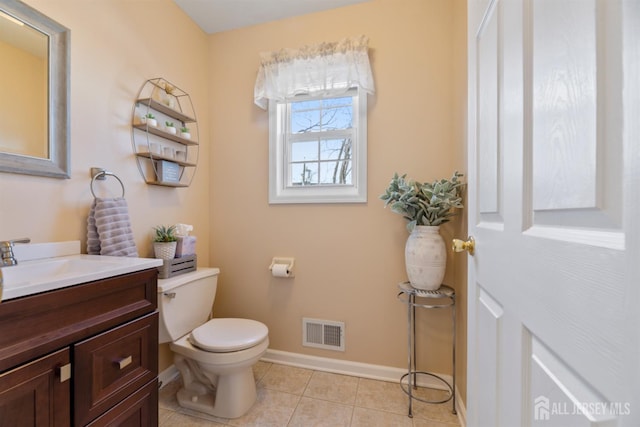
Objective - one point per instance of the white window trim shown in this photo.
(279, 192)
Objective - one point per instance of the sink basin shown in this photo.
(47, 274)
(30, 272)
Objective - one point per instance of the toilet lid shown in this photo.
(224, 335)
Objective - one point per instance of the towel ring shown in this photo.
(105, 173)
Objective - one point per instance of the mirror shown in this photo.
(34, 106)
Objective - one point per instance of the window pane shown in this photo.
(304, 150)
(336, 172)
(337, 118)
(305, 121)
(321, 115)
(335, 149)
(304, 173)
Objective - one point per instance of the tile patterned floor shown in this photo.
(296, 397)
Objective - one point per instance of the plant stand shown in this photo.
(443, 297)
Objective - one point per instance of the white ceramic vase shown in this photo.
(165, 250)
(425, 257)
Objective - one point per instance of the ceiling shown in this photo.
(214, 16)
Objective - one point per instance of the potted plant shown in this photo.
(184, 132)
(150, 120)
(170, 127)
(425, 206)
(164, 242)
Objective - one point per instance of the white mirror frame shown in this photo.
(58, 164)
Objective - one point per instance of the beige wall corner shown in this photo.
(115, 47)
(349, 257)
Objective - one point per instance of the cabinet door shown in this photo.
(111, 366)
(138, 410)
(35, 395)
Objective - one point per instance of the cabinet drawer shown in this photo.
(111, 366)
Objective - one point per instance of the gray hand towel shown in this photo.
(109, 228)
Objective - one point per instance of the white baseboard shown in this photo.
(168, 375)
(336, 366)
(345, 367)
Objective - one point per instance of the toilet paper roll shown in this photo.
(280, 270)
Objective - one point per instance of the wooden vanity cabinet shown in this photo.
(83, 355)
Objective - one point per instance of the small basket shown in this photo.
(165, 250)
(176, 266)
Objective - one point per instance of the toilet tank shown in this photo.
(185, 302)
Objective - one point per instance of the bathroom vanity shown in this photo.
(81, 355)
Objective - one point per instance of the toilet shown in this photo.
(215, 357)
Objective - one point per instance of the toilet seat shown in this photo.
(228, 334)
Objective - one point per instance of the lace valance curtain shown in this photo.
(314, 69)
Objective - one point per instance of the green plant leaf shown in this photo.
(429, 203)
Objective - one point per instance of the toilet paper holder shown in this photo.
(289, 262)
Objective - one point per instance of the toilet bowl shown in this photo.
(215, 357)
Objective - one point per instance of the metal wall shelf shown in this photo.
(153, 144)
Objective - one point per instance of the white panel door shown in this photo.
(554, 206)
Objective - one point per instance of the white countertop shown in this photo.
(49, 266)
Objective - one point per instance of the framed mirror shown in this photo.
(34, 106)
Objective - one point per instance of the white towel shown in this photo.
(109, 228)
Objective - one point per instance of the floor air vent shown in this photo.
(323, 334)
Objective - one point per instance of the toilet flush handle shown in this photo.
(169, 294)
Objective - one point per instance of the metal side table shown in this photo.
(443, 297)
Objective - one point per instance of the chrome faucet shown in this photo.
(6, 248)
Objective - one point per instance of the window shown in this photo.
(317, 99)
(318, 149)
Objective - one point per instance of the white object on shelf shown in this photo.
(181, 155)
(169, 152)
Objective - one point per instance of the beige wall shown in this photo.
(115, 46)
(349, 257)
